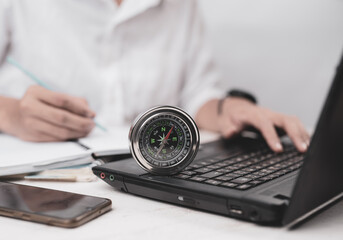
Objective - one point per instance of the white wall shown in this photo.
(285, 51)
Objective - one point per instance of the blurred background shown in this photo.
(285, 52)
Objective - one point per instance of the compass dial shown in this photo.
(164, 140)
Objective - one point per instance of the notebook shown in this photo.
(19, 157)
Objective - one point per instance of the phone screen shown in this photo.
(46, 202)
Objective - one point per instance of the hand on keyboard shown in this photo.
(238, 113)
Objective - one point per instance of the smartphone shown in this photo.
(52, 207)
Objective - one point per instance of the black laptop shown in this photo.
(243, 178)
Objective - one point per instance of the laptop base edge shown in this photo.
(229, 207)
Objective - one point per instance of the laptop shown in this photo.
(242, 178)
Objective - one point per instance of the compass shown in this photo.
(164, 140)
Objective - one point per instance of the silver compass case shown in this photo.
(162, 154)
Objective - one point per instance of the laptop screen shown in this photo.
(321, 178)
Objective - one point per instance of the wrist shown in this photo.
(235, 94)
(207, 117)
(242, 94)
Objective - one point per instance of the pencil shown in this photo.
(40, 82)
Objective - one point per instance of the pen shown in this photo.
(52, 178)
(40, 82)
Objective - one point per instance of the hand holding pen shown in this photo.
(44, 115)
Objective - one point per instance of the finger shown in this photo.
(294, 129)
(228, 128)
(58, 116)
(296, 135)
(73, 104)
(55, 132)
(304, 133)
(229, 131)
(266, 127)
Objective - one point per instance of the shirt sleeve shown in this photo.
(202, 80)
(4, 28)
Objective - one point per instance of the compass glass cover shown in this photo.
(164, 140)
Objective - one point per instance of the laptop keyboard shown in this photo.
(243, 171)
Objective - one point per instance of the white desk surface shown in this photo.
(134, 217)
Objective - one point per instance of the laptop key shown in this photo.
(212, 160)
(244, 186)
(190, 173)
(273, 175)
(278, 173)
(237, 159)
(221, 164)
(213, 167)
(224, 170)
(182, 176)
(203, 170)
(261, 174)
(233, 175)
(266, 178)
(228, 184)
(255, 182)
(197, 179)
(232, 168)
(224, 178)
(212, 174)
(241, 180)
(252, 176)
(248, 169)
(195, 166)
(229, 162)
(240, 172)
(203, 163)
(213, 182)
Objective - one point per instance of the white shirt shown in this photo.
(122, 60)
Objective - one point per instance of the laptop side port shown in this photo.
(236, 210)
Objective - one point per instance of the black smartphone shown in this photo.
(52, 207)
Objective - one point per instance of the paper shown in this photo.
(17, 152)
(83, 174)
(17, 156)
(116, 138)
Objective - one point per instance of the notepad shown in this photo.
(18, 157)
(116, 138)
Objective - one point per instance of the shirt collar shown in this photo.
(132, 8)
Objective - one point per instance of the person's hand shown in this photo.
(43, 115)
(238, 113)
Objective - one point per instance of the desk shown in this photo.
(134, 217)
